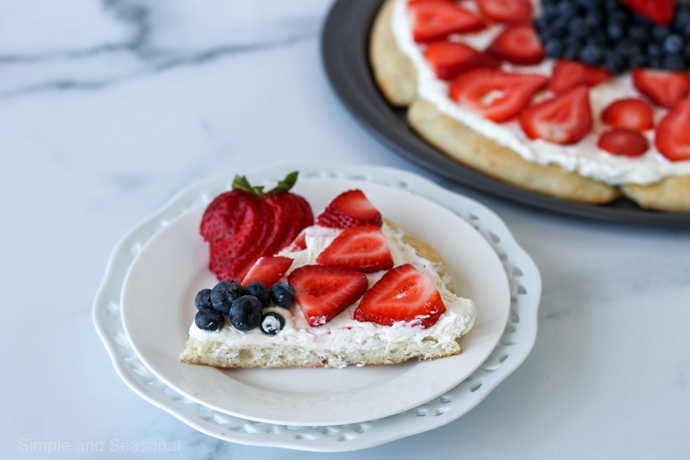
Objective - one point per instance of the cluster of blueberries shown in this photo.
(243, 306)
(606, 33)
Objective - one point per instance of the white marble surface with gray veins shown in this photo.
(108, 108)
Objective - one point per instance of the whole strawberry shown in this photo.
(246, 223)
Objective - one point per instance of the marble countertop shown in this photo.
(108, 108)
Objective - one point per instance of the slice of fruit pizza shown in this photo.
(347, 287)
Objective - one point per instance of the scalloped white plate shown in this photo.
(158, 308)
(142, 375)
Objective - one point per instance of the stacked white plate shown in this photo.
(145, 305)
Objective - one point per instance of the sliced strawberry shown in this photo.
(246, 223)
(248, 250)
(228, 255)
(362, 248)
(436, 20)
(267, 270)
(563, 119)
(292, 213)
(282, 218)
(447, 59)
(349, 209)
(498, 96)
(659, 11)
(518, 44)
(221, 261)
(629, 113)
(224, 215)
(624, 142)
(672, 135)
(402, 294)
(568, 74)
(304, 216)
(220, 251)
(506, 11)
(281, 223)
(323, 292)
(663, 87)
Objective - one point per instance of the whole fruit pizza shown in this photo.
(583, 100)
(340, 287)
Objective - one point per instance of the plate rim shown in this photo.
(437, 376)
(513, 349)
(345, 61)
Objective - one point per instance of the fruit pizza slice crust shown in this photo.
(349, 288)
(549, 76)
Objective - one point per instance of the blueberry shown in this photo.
(570, 53)
(659, 33)
(578, 27)
(615, 31)
(673, 44)
(611, 5)
(640, 20)
(638, 61)
(654, 49)
(655, 62)
(591, 5)
(272, 323)
(599, 40)
(559, 26)
(203, 300)
(594, 20)
(260, 291)
(554, 49)
(631, 50)
(209, 320)
(614, 63)
(592, 55)
(245, 313)
(638, 34)
(674, 62)
(283, 294)
(224, 294)
(566, 9)
(618, 16)
(681, 21)
(550, 10)
(572, 45)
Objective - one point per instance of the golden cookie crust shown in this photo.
(393, 71)
(671, 194)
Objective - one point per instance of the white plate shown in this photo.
(158, 308)
(517, 337)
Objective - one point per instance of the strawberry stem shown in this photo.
(242, 183)
(285, 184)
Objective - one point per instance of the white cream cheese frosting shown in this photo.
(343, 331)
(585, 157)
